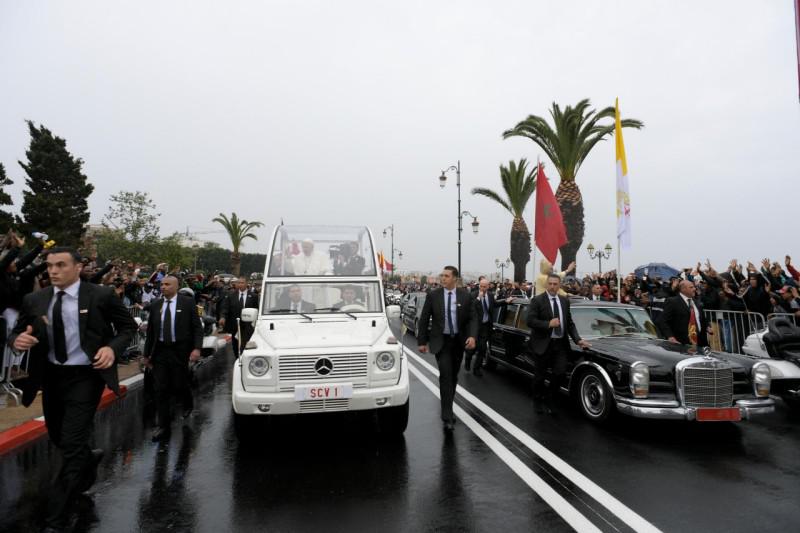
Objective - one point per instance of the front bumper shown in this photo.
(283, 403)
(672, 410)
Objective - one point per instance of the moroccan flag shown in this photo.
(623, 194)
(550, 234)
(388, 265)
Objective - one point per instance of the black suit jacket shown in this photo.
(231, 309)
(674, 321)
(540, 313)
(433, 312)
(102, 319)
(188, 328)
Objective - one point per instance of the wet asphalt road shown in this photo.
(334, 473)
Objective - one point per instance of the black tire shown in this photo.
(595, 399)
(393, 420)
(792, 402)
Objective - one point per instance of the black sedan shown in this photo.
(630, 370)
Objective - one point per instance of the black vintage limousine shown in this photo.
(630, 370)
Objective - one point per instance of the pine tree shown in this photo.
(57, 201)
(6, 219)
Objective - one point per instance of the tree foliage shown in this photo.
(134, 214)
(238, 230)
(6, 218)
(567, 143)
(57, 202)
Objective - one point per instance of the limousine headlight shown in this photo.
(762, 379)
(258, 366)
(385, 360)
(640, 380)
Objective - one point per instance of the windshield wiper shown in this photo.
(291, 312)
(338, 310)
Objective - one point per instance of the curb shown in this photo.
(32, 430)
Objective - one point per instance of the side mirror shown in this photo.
(249, 314)
(393, 311)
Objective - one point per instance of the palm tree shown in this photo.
(518, 185)
(577, 131)
(238, 230)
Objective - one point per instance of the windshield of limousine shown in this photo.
(322, 297)
(300, 251)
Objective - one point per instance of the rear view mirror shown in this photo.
(393, 311)
(249, 314)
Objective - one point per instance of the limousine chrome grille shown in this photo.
(708, 383)
(322, 367)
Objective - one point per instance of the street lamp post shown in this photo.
(390, 229)
(475, 223)
(502, 265)
(599, 255)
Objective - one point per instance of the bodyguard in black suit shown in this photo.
(75, 332)
(174, 337)
(682, 319)
(485, 305)
(550, 320)
(454, 327)
(231, 309)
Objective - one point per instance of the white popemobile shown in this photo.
(322, 340)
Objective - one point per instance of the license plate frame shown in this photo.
(718, 414)
(323, 391)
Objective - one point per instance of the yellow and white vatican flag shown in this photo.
(623, 194)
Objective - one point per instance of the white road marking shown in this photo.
(557, 502)
(623, 512)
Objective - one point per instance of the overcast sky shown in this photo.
(346, 112)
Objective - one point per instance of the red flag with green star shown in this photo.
(550, 234)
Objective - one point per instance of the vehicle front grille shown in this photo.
(300, 368)
(313, 406)
(707, 386)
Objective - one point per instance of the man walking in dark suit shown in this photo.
(174, 337)
(550, 320)
(484, 309)
(231, 309)
(454, 327)
(682, 320)
(75, 333)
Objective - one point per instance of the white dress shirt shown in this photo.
(172, 310)
(453, 311)
(696, 311)
(556, 301)
(72, 333)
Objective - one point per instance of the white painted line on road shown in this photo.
(622, 511)
(557, 502)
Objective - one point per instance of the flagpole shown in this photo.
(533, 238)
(619, 269)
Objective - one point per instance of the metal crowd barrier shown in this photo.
(731, 328)
(790, 316)
(14, 365)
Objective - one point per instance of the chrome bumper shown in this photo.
(672, 410)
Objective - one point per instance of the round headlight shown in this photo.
(762, 379)
(385, 360)
(258, 366)
(640, 380)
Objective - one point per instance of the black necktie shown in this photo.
(59, 338)
(556, 314)
(485, 305)
(450, 313)
(241, 300)
(166, 327)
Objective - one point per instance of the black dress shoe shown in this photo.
(91, 471)
(538, 408)
(477, 371)
(160, 434)
(467, 364)
(449, 426)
